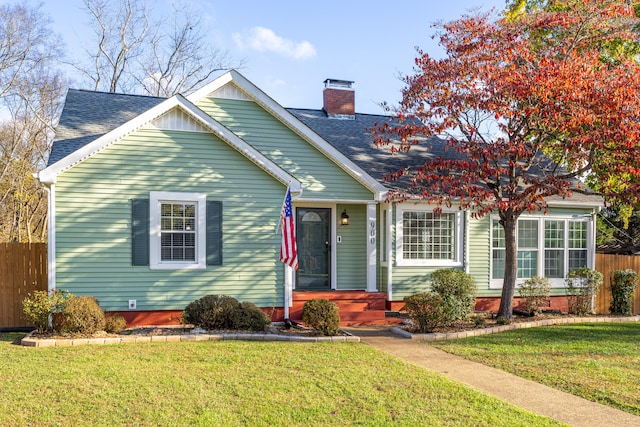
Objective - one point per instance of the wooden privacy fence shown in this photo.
(607, 264)
(23, 269)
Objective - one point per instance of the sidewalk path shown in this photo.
(521, 392)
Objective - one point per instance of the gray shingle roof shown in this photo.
(87, 115)
(353, 139)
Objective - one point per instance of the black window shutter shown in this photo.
(140, 232)
(214, 232)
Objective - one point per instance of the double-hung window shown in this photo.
(429, 239)
(177, 237)
(549, 247)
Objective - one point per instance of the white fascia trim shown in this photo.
(573, 204)
(296, 125)
(49, 174)
(339, 201)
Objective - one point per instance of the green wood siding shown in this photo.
(323, 178)
(479, 241)
(352, 252)
(93, 222)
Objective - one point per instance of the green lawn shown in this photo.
(597, 361)
(234, 383)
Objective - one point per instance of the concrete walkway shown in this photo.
(527, 394)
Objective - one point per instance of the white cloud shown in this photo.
(265, 40)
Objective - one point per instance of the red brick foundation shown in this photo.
(174, 317)
(490, 304)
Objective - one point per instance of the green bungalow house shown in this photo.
(156, 202)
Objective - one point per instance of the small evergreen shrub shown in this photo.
(622, 286)
(82, 315)
(501, 320)
(479, 320)
(427, 311)
(114, 324)
(40, 306)
(321, 314)
(248, 317)
(457, 289)
(535, 292)
(211, 312)
(582, 286)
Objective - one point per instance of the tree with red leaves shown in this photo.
(526, 107)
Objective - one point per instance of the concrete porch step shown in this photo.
(356, 308)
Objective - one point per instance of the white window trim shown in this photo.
(555, 282)
(156, 198)
(457, 238)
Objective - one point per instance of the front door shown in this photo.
(313, 233)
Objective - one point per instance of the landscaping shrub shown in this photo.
(82, 315)
(535, 292)
(40, 306)
(114, 324)
(211, 312)
(452, 297)
(582, 286)
(457, 289)
(427, 311)
(622, 286)
(248, 317)
(321, 314)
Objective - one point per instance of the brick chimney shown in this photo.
(339, 99)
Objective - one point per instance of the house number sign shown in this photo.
(372, 232)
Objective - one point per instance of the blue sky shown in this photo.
(291, 46)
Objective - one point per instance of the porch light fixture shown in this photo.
(344, 218)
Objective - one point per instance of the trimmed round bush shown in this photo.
(457, 289)
(114, 324)
(211, 312)
(322, 315)
(82, 315)
(535, 292)
(248, 317)
(427, 311)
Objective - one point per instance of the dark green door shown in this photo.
(314, 248)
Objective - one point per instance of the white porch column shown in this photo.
(288, 290)
(371, 247)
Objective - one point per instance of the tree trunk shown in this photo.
(509, 223)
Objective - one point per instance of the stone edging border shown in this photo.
(512, 326)
(33, 342)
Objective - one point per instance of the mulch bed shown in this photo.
(483, 320)
(277, 329)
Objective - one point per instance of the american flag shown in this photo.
(288, 250)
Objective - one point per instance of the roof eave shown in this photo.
(49, 175)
